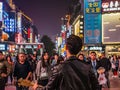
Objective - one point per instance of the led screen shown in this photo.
(111, 28)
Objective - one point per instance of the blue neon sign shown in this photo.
(9, 22)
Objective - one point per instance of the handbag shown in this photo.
(43, 73)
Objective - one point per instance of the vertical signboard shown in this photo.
(8, 31)
(19, 22)
(1, 9)
(92, 19)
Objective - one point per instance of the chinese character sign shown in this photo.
(110, 6)
(93, 6)
(92, 21)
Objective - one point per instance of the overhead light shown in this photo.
(81, 27)
(81, 22)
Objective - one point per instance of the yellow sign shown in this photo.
(93, 7)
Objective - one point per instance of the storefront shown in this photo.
(112, 49)
(111, 26)
(97, 49)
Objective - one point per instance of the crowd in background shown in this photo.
(28, 67)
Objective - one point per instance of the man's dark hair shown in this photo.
(74, 44)
(93, 53)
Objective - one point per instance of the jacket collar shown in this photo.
(72, 58)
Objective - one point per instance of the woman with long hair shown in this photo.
(43, 69)
(115, 65)
(11, 63)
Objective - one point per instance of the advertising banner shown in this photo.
(111, 28)
(92, 21)
(1, 10)
(110, 6)
(9, 29)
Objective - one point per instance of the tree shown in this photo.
(49, 45)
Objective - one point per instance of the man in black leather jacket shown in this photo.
(73, 74)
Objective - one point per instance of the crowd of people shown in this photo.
(73, 72)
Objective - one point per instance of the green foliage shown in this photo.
(49, 45)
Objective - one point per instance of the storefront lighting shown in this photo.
(81, 16)
(81, 31)
(81, 22)
(81, 27)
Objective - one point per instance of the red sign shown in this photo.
(29, 33)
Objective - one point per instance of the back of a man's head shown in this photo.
(74, 44)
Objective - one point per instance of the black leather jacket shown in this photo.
(73, 74)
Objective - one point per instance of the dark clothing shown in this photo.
(105, 62)
(21, 70)
(2, 83)
(33, 64)
(22, 88)
(94, 66)
(72, 75)
(4, 68)
(43, 82)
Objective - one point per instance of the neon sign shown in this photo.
(9, 23)
(111, 6)
(1, 10)
(12, 25)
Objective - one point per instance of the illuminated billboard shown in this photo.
(19, 22)
(1, 10)
(92, 21)
(92, 6)
(110, 6)
(9, 29)
(111, 28)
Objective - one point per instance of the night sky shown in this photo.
(46, 14)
